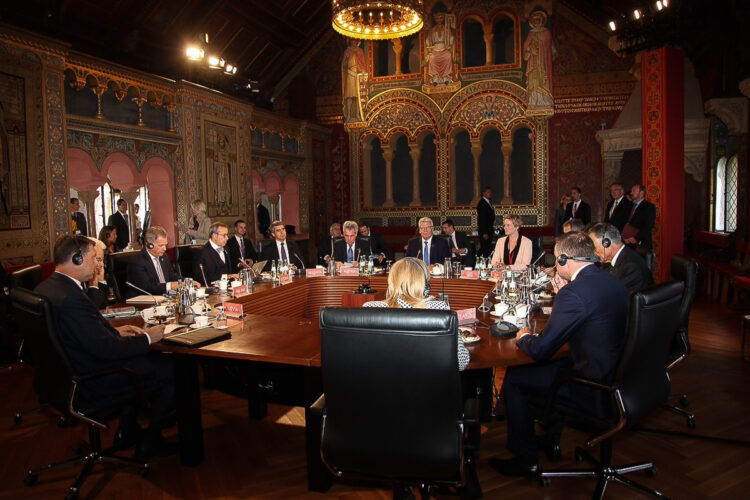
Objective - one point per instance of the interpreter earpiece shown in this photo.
(563, 259)
(426, 278)
(606, 242)
(150, 245)
(78, 256)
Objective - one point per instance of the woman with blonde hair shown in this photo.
(408, 288)
(197, 233)
(512, 251)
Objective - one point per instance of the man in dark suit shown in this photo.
(264, 220)
(377, 245)
(431, 249)
(119, 220)
(618, 210)
(637, 231)
(280, 248)
(350, 248)
(97, 288)
(485, 222)
(578, 209)
(326, 246)
(213, 256)
(462, 249)
(241, 251)
(589, 314)
(78, 217)
(624, 263)
(151, 269)
(92, 344)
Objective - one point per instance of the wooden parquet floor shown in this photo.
(265, 459)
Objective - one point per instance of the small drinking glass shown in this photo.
(485, 307)
(221, 319)
(447, 300)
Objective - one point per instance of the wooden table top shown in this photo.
(281, 322)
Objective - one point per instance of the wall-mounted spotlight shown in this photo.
(636, 14)
(612, 26)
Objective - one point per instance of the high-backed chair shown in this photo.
(184, 256)
(58, 383)
(28, 277)
(682, 269)
(392, 407)
(639, 386)
(117, 264)
(649, 257)
(537, 246)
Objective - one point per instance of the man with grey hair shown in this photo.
(618, 209)
(426, 247)
(213, 256)
(351, 247)
(571, 225)
(151, 269)
(624, 263)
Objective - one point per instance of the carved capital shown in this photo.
(388, 154)
(732, 111)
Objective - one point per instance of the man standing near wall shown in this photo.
(485, 221)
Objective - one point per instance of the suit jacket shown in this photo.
(361, 247)
(590, 315)
(620, 216)
(584, 212)
(89, 340)
(264, 219)
(142, 273)
(325, 248)
(377, 244)
(485, 218)
(212, 264)
(462, 241)
(631, 269)
(270, 252)
(123, 233)
(98, 294)
(235, 254)
(523, 259)
(644, 218)
(80, 223)
(439, 249)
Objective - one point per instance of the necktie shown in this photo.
(632, 211)
(283, 252)
(426, 253)
(242, 248)
(221, 255)
(614, 206)
(453, 241)
(125, 218)
(159, 272)
(350, 254)
(575, 209)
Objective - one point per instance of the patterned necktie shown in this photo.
(350, 254)
(242, 248)
(283, 252)
(159, 272)
(426, 253)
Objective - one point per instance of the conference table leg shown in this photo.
(189, 421)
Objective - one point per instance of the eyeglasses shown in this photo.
(223, 235)
(99, 259)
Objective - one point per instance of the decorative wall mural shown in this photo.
(14, 178)
(538, 52)
(220, 161)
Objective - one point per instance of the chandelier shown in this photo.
(377, 20)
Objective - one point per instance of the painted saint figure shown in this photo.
(352, 65)
(223, 172)
(439, 43)
(538, 51)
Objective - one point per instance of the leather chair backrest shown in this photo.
(650, 258)
(117, 263)
(184, 256)
(641, 372)
(537, 246)
(393, 393)
(53, 371)
(684, 269)
(28, 277)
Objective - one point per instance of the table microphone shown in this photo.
(156, 302)
(300, 261)
(205, 281)
(538, 258)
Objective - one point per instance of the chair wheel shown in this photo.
(17, 418)
(62, 422)
(544, 481)
(691, 422)
(30, 479)
(684, 402)
(144, 470)
(652, 472)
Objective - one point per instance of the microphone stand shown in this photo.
(156, 302)
(300, 261)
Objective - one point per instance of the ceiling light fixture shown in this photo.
(373, 20)
(197, 50)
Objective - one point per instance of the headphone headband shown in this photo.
(563, 259)
(424, 273)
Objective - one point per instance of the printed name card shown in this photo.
(466, 316)
(469, 275)
(232, 309)
(316, 271)
(348, 271)
(498, 275)
(239, 291)
(285, 279)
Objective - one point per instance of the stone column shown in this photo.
(140, 101)
(507, 149)
(172, 110)
(489, 37)
(89, 198)
(415, 153)
(130, 197)
(99, 92)
(398, 47)
(476, 152)
(388, 157)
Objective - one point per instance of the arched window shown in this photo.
(725, 195)
(403, 178)
(463, 169)
(474, 53)
(503, 51)
(427, 171)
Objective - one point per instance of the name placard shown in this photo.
(348, 271)
(469, 275)
(284, 279)
(316, 271)
(497, 275)
(239, 291)
(466, 316)
(233, 309)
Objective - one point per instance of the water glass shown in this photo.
(447, 268)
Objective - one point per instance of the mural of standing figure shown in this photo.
(538, 51)
(352, 65)
(439, 43)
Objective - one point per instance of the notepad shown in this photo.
(197, 338)
(147, 299)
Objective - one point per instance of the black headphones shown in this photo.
(150, 245)
(78, 255)
(426, 278)
(563, 259)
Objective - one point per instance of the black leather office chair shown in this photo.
(639, 386)
(184, 256)
(537, 246)
(117, 265)
(392, 407)
(682, 269)
(28, 277)
(648, 256)
(57, 382)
